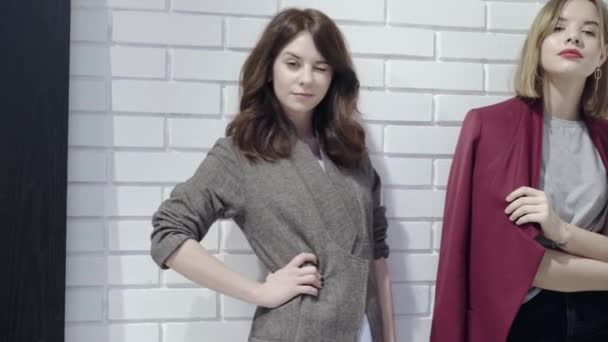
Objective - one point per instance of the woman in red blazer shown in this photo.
(515, 263)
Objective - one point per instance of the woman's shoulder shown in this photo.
(504, 115)
(508, 107)
(225, 149)
(225, 143)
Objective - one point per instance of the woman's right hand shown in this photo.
(294, 279)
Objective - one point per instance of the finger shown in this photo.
(522, 191)
(521, 201)
(318, 283)
(308, 290)
(315, 280)
(301, 258)
(307, 270)
(310, 279)
(515, 194)
(530, 218)
(523, 210)
(519, 212)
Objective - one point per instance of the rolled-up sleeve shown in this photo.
(213, 192)
(381, 249)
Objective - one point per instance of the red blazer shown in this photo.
(487, 263)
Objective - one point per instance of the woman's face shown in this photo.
(301, 76)
(574, 49)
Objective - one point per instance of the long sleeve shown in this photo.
(381, 249)
(451, 294)
(214, 191)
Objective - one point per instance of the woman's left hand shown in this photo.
(527, 205)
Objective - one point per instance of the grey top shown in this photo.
(285, 208)
(573, 177)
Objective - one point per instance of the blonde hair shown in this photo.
(528, 77)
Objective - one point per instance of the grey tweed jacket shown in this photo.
(285, 208)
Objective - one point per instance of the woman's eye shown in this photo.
(292, 64)
(558, 28)
(320, 69)
(589, 33)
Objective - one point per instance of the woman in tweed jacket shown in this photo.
(294, 174)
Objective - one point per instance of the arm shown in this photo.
(216, 191)
(386, 298)
(450, 320)
(381, 252)
(584, 243)
(563, 272)
(531, 205)
(195, 263)
(213, 192)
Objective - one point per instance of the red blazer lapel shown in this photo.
(537, 112)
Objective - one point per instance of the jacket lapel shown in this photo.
(345, 183)
(537, 114)
(330, 193)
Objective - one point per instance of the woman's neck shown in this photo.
(562, 97)
(302, 123)
(304, 132)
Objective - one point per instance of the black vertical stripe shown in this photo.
(34, 53)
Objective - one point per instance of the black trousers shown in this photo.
(562, 317)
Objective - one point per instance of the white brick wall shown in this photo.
(153, 84)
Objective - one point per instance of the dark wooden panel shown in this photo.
(33, 167)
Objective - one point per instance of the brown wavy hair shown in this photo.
(262, 130)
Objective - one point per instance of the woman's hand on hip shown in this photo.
(298, 277)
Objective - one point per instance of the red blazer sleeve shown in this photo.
(451, 292)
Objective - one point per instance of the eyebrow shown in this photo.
(588, 22)
(299, 58)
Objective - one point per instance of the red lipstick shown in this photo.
(571, 53)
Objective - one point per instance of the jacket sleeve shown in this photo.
(381, 249)
(449, 315)
(213, 192)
